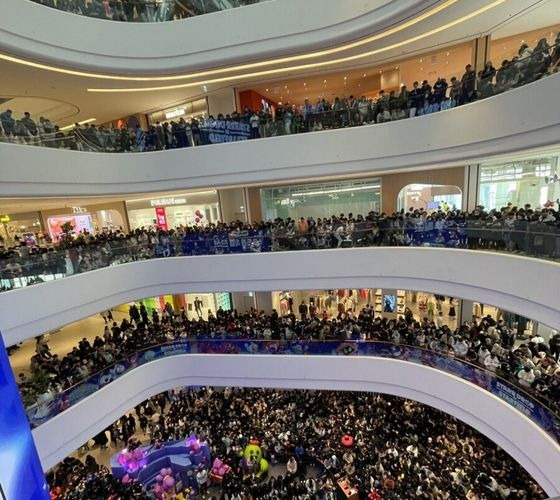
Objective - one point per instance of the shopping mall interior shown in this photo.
(279, 249)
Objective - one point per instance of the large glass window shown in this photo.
(322, 199)
(429, 197)
(532, 181)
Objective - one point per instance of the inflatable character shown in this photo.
(253, 461)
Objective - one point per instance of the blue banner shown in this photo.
(21, 474)
(218, 131)
(515, 396)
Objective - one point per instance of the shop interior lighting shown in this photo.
(89, 120)
(339, 190)
(282, 60)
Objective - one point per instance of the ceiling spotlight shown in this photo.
(364, 75)
(345, 77)
(285, 86)
(304, 83)
(266, 90)
(324, 81)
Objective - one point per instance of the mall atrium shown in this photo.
(279, 249)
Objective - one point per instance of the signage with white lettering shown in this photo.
(175, 113)
(163, 202)
(79, 210)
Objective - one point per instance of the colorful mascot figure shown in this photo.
(253, 461)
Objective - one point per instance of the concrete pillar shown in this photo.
(221, 101)
(243, 301)
(233, 204)
(466, 311)
(254, 208)
(480, 52)
(471, 187)
(264, 301)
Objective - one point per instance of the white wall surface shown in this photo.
(518, 284)
(272, 28)
(503, 424)
(524, 118)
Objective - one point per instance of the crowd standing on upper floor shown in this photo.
(422, 98)
(526, 230)
(399, 449)
(484, 342)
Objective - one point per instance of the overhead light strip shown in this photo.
(309, 65)
(242, 67)
(89, 120)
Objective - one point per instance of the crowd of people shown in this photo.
(527, 230)
(143, 11)
(398, 449)
(286, 118)
(490, 344)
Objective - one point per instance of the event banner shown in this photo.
(21, 474)
(532, 408)
(218, 131)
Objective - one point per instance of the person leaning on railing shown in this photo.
(529, 65)
(486, 342)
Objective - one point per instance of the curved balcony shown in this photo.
(148, 12)
(503, 124)
(522, 426)
(65, 40)
(482, 276)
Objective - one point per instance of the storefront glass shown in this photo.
(429, 197)
(168, 212)
(186, 110)
(532, 181)
(19, 227)
(322, 199)
(84, 221)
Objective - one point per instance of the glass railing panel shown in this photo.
(543, 411)
(252, 124)
(24, 266)
(144, 11)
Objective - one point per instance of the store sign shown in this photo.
(79, 210)
(5, 218)
(161, 218)
(164, 202)
(175, 113)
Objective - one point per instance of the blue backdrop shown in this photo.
(21, 474)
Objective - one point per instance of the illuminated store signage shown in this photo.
(163, 202)
(5, 218)
(175, 113)
(79, 210)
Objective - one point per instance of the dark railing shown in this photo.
(289, 120)
(28, 265)
(144, 11)
(532, 405)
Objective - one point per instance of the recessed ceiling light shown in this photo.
(364, 75)
(345, 77)
(396, 67)
(304, 83)
(420, 60)
(380, 71)
(266, 90)
(285, 86)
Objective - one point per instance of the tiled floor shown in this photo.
(61, 341)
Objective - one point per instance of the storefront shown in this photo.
(321, 199)
(186, 110)
(168, 212)
(429, 197)
(20, 227)
(196, 305)
(534, 181)
(91, 219)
